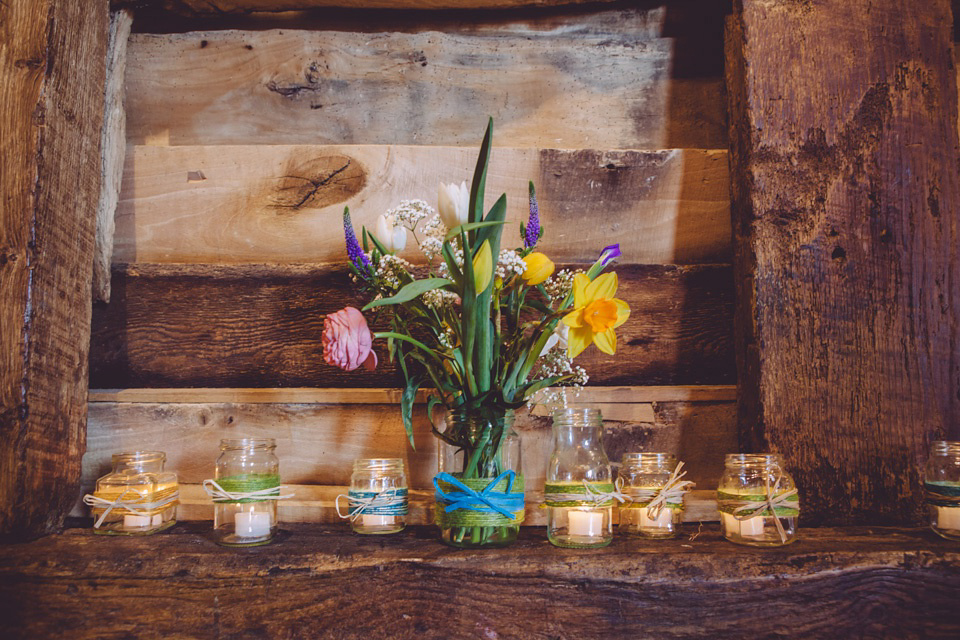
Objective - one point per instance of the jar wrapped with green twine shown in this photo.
(245, 492)
(479, 496)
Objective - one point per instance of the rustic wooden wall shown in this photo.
(49, 183)
(846, 195)
(247, 137)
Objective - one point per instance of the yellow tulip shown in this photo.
(539, 268)
(482, 268)
(596, 313)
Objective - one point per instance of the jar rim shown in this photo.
(646, 457)
(378, 463)
(589, 417)
(740, 459)
(139, 456)
(944, 447)
(247, 443)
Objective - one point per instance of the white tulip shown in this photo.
(454, 204)
(557, 338)
(391, 235)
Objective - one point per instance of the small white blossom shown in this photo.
(390, 268)
(438, 298)
(433, 235)
(510, 263)
(409, 213)
(561, 283)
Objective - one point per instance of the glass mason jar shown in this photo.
(942, 484)
(644, 475)
(246, 465)
(751, 484)
(378, 490)
(579, 481)
(137, 497)
(476, 450)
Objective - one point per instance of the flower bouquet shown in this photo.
(483, 327)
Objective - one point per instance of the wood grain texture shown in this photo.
(255, 204)
(574, 86)
(317, 443)
(317, 504)
(192, 326)
(191, 7)
(113, 145)
(846, 194)
(606, 395)
(865, 583)
(51, 88)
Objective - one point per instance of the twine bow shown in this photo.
(219, 494)
(135, 506)
(591, 494)
(771, 501)
(504, 503)
(386, 498)
(671, 492)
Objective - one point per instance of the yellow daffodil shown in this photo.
(482, 267)
(539, 268)
(596, 313)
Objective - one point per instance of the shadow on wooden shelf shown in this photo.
(323, 580)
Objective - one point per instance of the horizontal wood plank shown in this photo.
(280, 204)
(248, 6)
(578, 88)
(607, 395)
(834, 583)
(317, 443)
(260, 326)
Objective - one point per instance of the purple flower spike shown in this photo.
(609, 254)
(354, 252)
(533, 224)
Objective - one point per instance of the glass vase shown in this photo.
(644, 475)
(246, 465)
(758, 501)
(378, 496)
(479, 453)
(579, 482)
(137, 497)
(942, 484)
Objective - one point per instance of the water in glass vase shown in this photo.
(479, 490)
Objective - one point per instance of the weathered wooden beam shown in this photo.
(220, 7)
(318, 442)
(51, 109)
(846, 197)
(322, 580)
(113, 144)
(260, 326)
(281, 204)
(574, 84)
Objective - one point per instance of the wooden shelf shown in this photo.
(320, 580)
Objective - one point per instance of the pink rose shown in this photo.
(347, 341)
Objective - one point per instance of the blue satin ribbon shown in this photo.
(504, 503)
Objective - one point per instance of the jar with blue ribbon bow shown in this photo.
(479, 497)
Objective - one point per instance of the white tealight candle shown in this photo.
(157, 519)
(585, 523)
(252, 524)
(376, 521)
(133, 521)
(662, 521)
(948, 518)
(748, 527)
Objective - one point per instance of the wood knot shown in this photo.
(319, 182)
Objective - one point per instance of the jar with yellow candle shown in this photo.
(137, 497)
(942, 484)
(758, 501)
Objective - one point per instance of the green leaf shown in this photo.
(411, 291)
(470, 226)
(406, 406)
(480, 176)
(376, 242)
(492, 233)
